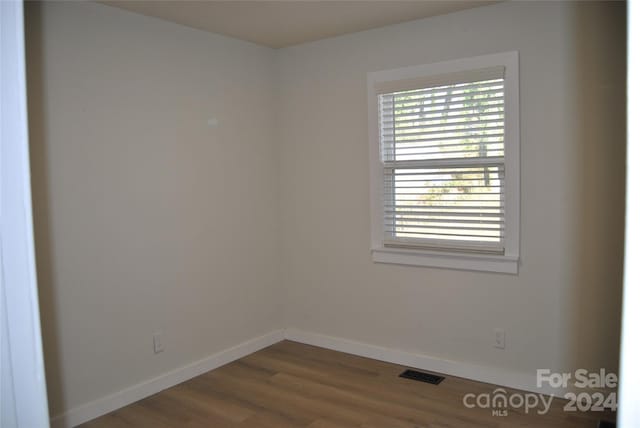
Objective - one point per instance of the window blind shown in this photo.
(442, 152)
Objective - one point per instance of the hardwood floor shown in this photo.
(293, 385)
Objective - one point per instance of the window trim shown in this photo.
(507, 263)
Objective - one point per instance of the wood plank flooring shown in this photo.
(291, 385)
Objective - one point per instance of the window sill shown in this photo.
(448, 260)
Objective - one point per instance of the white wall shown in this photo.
(23, 395)
(562, 310)
(629, 401)
(146, 218)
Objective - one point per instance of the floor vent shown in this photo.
(422, 377)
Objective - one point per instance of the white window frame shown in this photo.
(502, 263)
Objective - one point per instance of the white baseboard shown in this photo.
(94, 409)
(487, 374)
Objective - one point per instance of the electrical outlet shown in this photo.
(158, 345)
(498, 338)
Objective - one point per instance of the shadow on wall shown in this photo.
(594, 300)
(41, 211)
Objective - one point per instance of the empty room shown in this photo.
(323, 214)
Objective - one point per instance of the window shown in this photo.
(445, 164)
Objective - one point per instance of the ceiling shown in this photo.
(284, 23)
